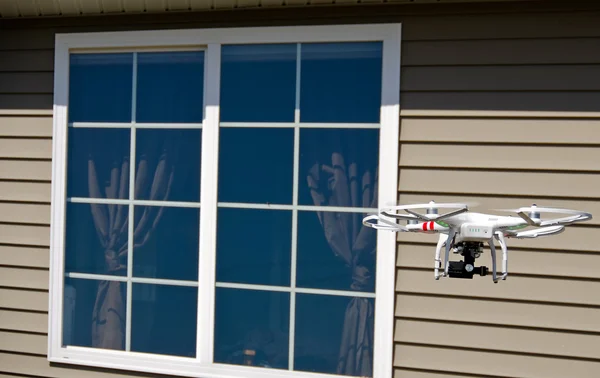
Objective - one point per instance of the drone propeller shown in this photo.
(382, 224)
(536, 232)
(432, 211)
(531, 215)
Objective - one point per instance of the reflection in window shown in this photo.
(96, 243)
(259, 251)
(338, 167)
(341, 82)
(163, 319)
(334, 335)
(252, 327)
(335, 251)
(168, 164)
(261, 159)
(98, 163)
(94, 313)
(258, 83)
(166, 242)
(170, 86)
(100, 87)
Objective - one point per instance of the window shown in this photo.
(208, 192)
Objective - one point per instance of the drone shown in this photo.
(465, 233)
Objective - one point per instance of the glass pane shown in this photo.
(98, 163)
(168, 164)
(334, 335)
(256, 165)
(335, 251)
(170, 86)
(163, 319)
(254, 246)
(258, 83)
(94, 313)
(96, 239)
(100, 87)
(166, 242)
(341, 82)
(252, 328)
(338, 167)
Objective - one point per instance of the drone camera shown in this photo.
(467, 269)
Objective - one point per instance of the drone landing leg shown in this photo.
(500, 238)
(448, 246)
(493, 251)
(438, 251)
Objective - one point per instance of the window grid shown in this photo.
(292, 289)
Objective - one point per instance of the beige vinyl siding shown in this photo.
(501, 109)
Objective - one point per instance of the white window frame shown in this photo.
(211, 40)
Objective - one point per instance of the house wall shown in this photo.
(500, 105)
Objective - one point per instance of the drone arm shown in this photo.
(452, 213)
(566, 220)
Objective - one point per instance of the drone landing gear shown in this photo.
(470, 250)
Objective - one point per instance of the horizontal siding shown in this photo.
(25, 126)
(499, 312)
(21, 299)
(489, 130)
(504, 339)
(24, 321)
(478, 363)
(16, 255)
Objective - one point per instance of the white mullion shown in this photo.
(146, 125)
(208, 214)
(133, 202)
(155, 281)
(294, 250)
(302, 125)
(264, 206)
(287, 289)
(130, 238)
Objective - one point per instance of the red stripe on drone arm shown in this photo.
(431, 226)
(424, 226)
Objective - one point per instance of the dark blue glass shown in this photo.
(341, 82)
(256, 165)
(170, 86)
(258, 83)
(338, 167)
(254, 246)
(334, 335)
(166, 242)
(163, 319)
(168, 164)
(335, 251)
(100, 87)
(96, 239)
(94, 313)
(252, 328)
(98, 163)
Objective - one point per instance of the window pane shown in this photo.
(166, 242)
(94, 313)
(168, 164)
(256, 165)
(335, 251)
(338, 167)
(258, 83)
(100, 87)
(334, 335)
(340, 82)
(98, 163)
(170, 86)
(163, 319)
(252, 328)
(96, 239)
(254, 246)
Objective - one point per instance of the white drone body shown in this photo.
(465, 232)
